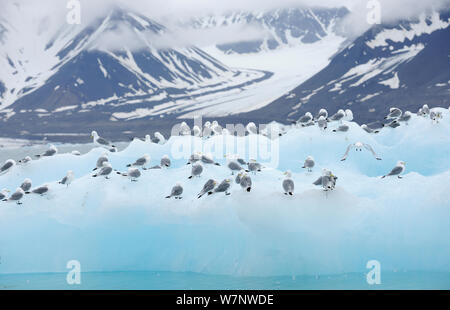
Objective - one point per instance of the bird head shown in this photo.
(228, 180)
(401, 163)
(94, 134)
(288, 174)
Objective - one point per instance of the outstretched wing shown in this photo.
(370, 149)
(348, 151)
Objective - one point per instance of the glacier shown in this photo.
(118, 225)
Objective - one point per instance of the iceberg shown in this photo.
(117, 225)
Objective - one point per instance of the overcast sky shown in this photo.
(55, 10)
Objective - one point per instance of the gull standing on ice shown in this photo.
(323, 113)
(68, 179)
(7, 166)
(406, 117)
(196, 171)
(338, 116)
(208, 188)
(3, 194)
(159, 138)
(100, 161)
(208, 160)
(133, 174)
(140, 162)
(41, 190)
(309, 163)
(254, 166)
(196, 131)
(246, 182)
(104, 171)
(52, 150)
(25, 160)
(393, 124)
(223, 187)
(358, 147)
(16, 196)
(195, 157)
(305, 119)
(251, 128)
(327, 181)
(348, 115)
(176, 192)
(234, 166)
(397, 170)
(322, 123)
(342, 128)
(26, 185)
(368, 129)
(394, 113)
(99, 141)
(288, 184)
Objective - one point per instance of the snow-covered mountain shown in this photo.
(405, 65)
(108, 71)
(278, 28)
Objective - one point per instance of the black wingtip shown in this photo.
(217, 164)
(190, 177)
(128, 166)
(249, 189)
(168, 197)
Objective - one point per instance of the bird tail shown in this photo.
(5, 200)
(168, 197)
(94, 176)
(95, 169)
(383, 176)
(37, 156)
(190, 177)
(217, 164)
(249, 189)
(129, 165)
(27, 193)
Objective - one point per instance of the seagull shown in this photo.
(239, 177)
(196, 171)
(100, 161)
(165, 162)
(394, 113)
(309, 163)
(132, 173)
(251, 128)
(104, 171)
(323, 113)
(207, 131)
(99, 141)
(176, 192)
(223, 187)
(369, 130)
(338, 116)
(234, 166)
(185, 130)
(159, 138)
(26, 185)
(348, 115)
(41, 190)
(397, 170)
(25, 160)
(195, 157)
(208, 188)
(254, 166)
(288, 184)
(425, 109)
(305, 119)
(7, 166)
(17, 196)
(435, 116)
(342, 128)
(393, 124)
(140, 162)
(208, 160)
(216, 128)
(68, 179)
(196, 131)
(406, 117)
(52, 150)
(358, 147)
(3, 193)
(322, 122)
(327, 181)
(246, 182)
